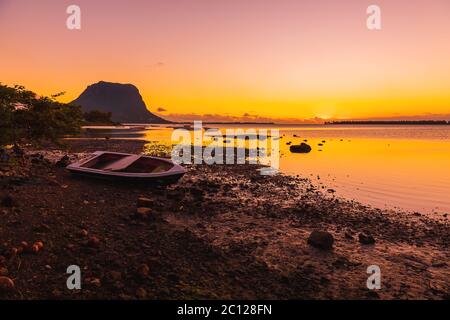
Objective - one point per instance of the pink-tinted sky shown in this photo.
(272, 59)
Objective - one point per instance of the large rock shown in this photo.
(301, 148)
(122, 100)
(366, 238)
(321, 239)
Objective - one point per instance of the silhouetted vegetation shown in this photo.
(26, 117)
(98, 117)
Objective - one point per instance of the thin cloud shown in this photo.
(158, 64)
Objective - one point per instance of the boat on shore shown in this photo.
(128, 167)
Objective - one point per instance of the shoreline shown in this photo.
(220, 232)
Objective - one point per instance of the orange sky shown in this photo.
(263, 59)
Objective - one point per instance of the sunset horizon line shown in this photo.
(217, 118)
(247, 117)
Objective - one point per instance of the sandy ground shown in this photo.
(220, 232)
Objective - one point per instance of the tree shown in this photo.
(26, 117)
(98, 117)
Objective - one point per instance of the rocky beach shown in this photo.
(221, 232)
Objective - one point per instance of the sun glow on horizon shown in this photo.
(282, 60)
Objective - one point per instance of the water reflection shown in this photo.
(384, 166)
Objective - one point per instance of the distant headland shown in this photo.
(123, 101)
(390, 122)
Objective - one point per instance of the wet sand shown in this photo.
(221, 232)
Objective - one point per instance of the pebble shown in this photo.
(144, 202)
(143, 270)
(35, 248)
(3, 271)
(143, 212)
(6, 284)
(83, 233)
(141, 293)
(39, 244)
(96, 282)
(115, 275)
(93, 242)
(57, 293)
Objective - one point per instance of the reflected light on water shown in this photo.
(403, 167)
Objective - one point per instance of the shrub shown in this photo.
(98, 117)
(26, 117)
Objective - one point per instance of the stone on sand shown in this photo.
(144, 202)
(143, 212)
(6, 284)
(366, 238)
(321, 239)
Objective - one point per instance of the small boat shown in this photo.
(128, 167)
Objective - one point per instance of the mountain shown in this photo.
(122, 100)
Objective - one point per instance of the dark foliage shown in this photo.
(26, 117)
(96, 116)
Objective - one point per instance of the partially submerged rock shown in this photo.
(321, 239)
(301, 148)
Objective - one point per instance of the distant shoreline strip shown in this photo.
(395, 122)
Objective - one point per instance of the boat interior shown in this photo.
(127, 163)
